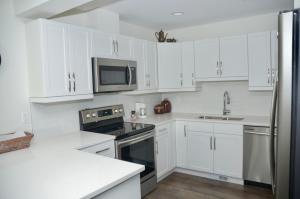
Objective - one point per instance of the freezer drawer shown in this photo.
(256, 163)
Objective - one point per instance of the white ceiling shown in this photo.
(157, 13)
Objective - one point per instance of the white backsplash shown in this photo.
(52, 119)
(210, 99)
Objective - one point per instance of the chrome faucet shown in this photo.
(226, 100)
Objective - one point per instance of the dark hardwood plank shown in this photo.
(182, 186)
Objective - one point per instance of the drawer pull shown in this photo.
(97, 152)
(162, 130)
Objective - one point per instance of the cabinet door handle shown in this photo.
(114, 46)
(156, 144)
(217, 68)
(215, 145)
(74, 83)
(106, 149)
(268, 75)
(162, 130)
(69, 76)
(117, 44)
(184, 130)
(210, 139)
(70, 86)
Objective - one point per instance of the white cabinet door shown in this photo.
(80, 60)
(151, 57)
(55, 59)
(181, 145)
(228, 155)
(123, 47)
(162, 153)
(140, 57)
(102, 45)
(233, 56)
(169, 65)
(259, 59)
(199, 151)
(206, 58)
(188, 64)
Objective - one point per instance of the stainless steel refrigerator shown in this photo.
(285, 167)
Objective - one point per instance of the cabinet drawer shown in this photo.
(204, 127)
(233, 129)
(105, 149)
(162, 129)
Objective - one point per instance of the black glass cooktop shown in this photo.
(123, 129)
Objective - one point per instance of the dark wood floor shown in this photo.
(182, 186)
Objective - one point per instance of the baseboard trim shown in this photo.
(210, 176)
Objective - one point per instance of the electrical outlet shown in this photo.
(24, 117)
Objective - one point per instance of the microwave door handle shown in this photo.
(130, 75)
(272, 133)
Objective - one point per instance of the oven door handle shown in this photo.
(130, 75)
(135, 140)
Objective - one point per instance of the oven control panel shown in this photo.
(99, 114)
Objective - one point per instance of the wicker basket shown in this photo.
(16, 143)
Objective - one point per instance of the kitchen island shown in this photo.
(57, 168)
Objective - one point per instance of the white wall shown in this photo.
(296, 3)
(210, 99)
(99, 19)
(227, 28)
(54, 119)
(137, 31)
(13, 71)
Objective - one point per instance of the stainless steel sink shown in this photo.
(211, 117)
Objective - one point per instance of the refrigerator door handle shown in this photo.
(272, 133)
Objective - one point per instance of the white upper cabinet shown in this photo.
(169, 65)
(207, 59)
(188, 64)
(139, 54)
(53, 59)
(233, 57)
(151, 66)
(80, 60)
(176, 66)
(263, 55)
(111, 46)
(221, 59)
(59, 62)
(102, 45)
(123, 47)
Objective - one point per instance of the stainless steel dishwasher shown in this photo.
(256, 155)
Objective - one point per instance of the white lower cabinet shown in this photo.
(106, 149)
(181, 143)
(131, 188)
(213, 148)
(165, 160)
(199, 153)
(228, 155)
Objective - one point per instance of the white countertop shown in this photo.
(167, 117)
(54, 168)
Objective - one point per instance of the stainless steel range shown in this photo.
(134, 141)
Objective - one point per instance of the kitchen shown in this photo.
(212, 102)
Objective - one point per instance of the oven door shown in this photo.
(113, 75)
(140, 150)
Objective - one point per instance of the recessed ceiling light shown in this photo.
(177, 13)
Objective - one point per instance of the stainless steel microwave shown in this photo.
(111, 75)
